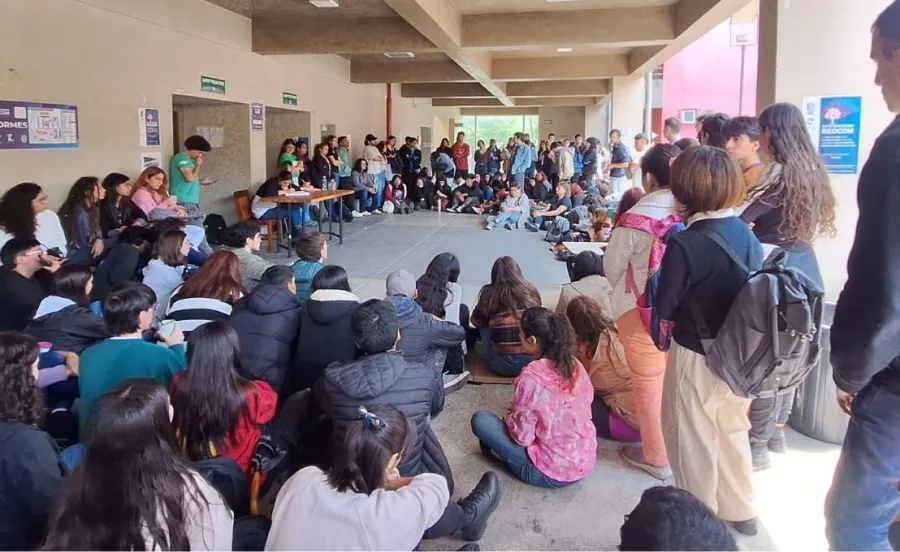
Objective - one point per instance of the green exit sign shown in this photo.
(212, 84)
(288, 99)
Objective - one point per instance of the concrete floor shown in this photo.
(588, 515)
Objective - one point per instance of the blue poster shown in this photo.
(25, 125)
(149, 126)
(835, 127)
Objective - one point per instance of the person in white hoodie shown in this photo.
(165, 271)
(24, 215)
(627, 264)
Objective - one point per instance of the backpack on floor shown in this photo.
(558, 230)
(215, 227)
(658, 329)
(769, 340)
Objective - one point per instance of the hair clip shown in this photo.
(369, 418)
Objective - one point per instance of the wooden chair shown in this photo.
(242, 206)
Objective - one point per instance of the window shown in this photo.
(496, 127)
(689, 116)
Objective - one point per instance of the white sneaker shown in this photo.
(356, 214)
(377, 212)
(453, 382)
(366, 214)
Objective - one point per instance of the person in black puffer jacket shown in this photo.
(266, 322)
(325, 335)
(383, 376)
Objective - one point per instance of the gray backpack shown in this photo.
(769, 340)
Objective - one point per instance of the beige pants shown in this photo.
(705, 428)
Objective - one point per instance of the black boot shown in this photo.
(479, 505)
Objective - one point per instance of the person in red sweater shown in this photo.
(461, 152)
(216, 411)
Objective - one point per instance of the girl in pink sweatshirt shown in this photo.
(547, 439)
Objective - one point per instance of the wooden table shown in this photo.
(313, 198)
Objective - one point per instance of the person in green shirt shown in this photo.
(184, 174)
(288, 153)
(127, 312)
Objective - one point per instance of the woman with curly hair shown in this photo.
(789, 207)
(80, 213)
(24, 215)
(31, 476)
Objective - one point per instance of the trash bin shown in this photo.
(816, 412)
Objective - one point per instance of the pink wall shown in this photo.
(707, 76)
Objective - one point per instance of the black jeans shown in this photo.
(765, 414)
(452, 520)
(456, 361)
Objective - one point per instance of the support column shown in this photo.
(822, 48)
(628, 105)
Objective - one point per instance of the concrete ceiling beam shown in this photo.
(560, 67)
(441, 23)
(621, 26)
(402, 71)
(466, 102)
(333, 36)
(556, 102)
(591, 87)
(444, 90)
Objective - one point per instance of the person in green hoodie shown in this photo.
(128, 313)
(312, 249)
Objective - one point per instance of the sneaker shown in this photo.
(532, 227)
(356, 214)
(478, 210)
(452, 210)
(453, 382)
(778, 442)
(489, 226)
(377, 212)
(366, 214)
(508, 226)
(479, 505)
(748, 528)
(634, 455)
(760, 454)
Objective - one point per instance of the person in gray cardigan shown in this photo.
(363, 188)
(514, 209)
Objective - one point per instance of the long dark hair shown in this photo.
(81, 194)
(209, 399)
(629, 200)
(16, 213)
(20, 399)
(380, 432)
(509, 291)
(589, 323)
(218, 278)
(131, 483)
(111, 201)
(554, 336)
(71, 281)
(432, 286)
(803, 186)
(658, 162)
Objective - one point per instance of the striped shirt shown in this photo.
(193, 312)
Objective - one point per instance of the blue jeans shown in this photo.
(71, 456)
(379, 190)
(298, 215)
(196, 258)
(364, 200)
(519, 179)
(506, 218)
(509, 366)
(496, 442)
(865, 495)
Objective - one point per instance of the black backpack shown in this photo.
(215, 227)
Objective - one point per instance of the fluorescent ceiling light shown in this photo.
(324, 3)
(561, 1)
(400, 55)
(563, 50)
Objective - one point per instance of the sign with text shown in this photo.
(149, 126)
(288, 99)
(257, 117)
(212, 84)
(25, 125)
(834, 126)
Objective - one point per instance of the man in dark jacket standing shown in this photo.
(382, 376)
(266, 322)
(865, 336)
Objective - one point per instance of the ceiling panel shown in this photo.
(506, 6)
(302, 8)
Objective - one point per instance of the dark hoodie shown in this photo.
(388, 378)
(424, 338)
(325, 337)
(266, 322)
(30, 481)
(67, 325)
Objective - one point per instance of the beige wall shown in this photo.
(565, 122)
(110, 57)
(281, 124)
(833, 61)
(596, 122)
(628, 104)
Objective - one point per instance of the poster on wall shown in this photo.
(148, 126)
(151, 159)
(257, 117)
(25, 125)
(834, 125)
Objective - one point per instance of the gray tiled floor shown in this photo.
(586, 516)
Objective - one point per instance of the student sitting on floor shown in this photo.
(439, 295)
(424, 338)
(121, 264)
(587, 279)
(266, 322)
(117, 210)
(599, 350)
(132, 490)
(244, 240)
(65, 318)
(668, 518)
(559, 204)
(216, 411)
(466, 197)
(547, 438)
(312, 250)
(31, 474)
(362, 502)
(515, 206)
(497, 315)
(166, 270)
(128, 313)
(442, 193)
(80, 216)
(396, 197)
(383, 376)
(325, 336)
(209, 294)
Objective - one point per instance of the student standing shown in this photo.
(184, 174)
(704, 422)
(742, 135)
(863, 501)
(522, 160)
(461, 153)
(619, 164)
(346, 166)
(672, 130)
(482, 160)
(791, 204)
(376, 163)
